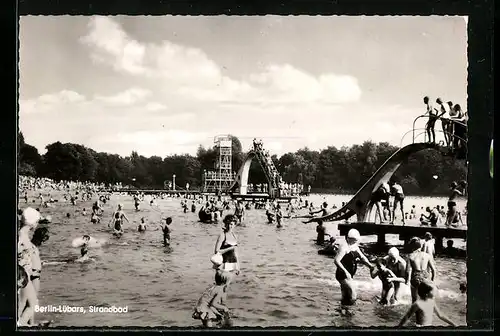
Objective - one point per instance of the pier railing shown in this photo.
(437, 118)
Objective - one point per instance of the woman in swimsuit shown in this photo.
(117, 218)
(227, 246)
(27, 295)
(41, 235)
(418, 264)
(346, 260)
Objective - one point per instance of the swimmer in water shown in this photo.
(142, 225)
(85, 247)
(388, 278)
(117, 218)
(425, 307)
(166, 231)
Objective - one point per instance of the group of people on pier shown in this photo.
(453, 121)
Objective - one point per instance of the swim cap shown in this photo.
(30, 217)
(353, 234)
(393, 252)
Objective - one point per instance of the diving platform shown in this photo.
(405, 232)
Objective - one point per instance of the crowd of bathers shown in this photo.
(211, 307)
(385, 208)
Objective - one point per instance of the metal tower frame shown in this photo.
(223, 176)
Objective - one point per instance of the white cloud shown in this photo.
(153, 106)
(127, 97)
(190, 73)
(45, 103)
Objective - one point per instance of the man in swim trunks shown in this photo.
(397, 191)
(451, 216)
(431, 123)
(381, 200)
(419, 262)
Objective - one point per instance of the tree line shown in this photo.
(335, 170)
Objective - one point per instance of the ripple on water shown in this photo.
(283, 281)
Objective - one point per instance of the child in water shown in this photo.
(425, 307)
(211, 305)
(166, 231)
(387, 277)
(142, 225)
(84, 250)
(279, 215)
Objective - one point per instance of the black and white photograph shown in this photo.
(222, 171)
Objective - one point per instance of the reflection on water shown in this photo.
(283, 281)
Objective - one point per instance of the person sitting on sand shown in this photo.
(211, 306)
(388, 279)
(346, 260)
(418, 265)
(424, 307)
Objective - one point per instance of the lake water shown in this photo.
(283, 280)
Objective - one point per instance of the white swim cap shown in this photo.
(216, 259)
(353, 234)
(30, 217)
(393, 252)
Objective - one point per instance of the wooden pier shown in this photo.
(261, 197)
(156, 191)
(405, 232)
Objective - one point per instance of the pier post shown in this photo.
(439, 244)
(380, 239)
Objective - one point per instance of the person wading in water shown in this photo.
(346, 260)
(419, 262)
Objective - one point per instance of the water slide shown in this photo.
(272, 174)
(360, 204)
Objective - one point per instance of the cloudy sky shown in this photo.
(164, 85)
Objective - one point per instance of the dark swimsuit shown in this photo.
(350, 262)
(33, 277)
(417, 277)
(230, 256)
(118, 222)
